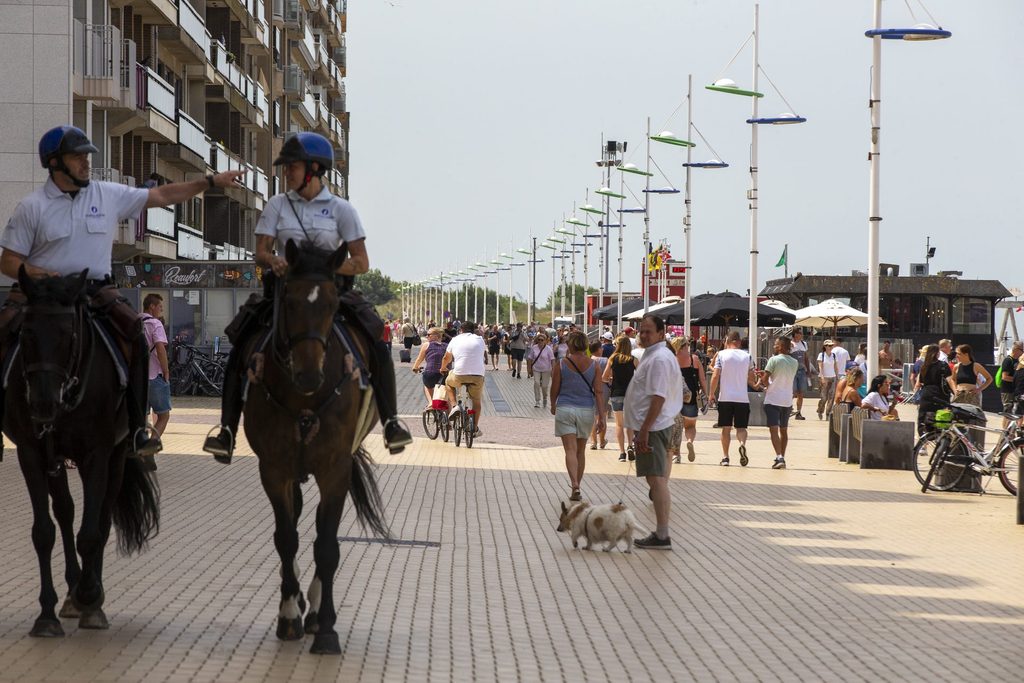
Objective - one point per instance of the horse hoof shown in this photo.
(68, 609)
(312, 623)
(46, 628)
(326, 644)
(289, 629)
(93, 619)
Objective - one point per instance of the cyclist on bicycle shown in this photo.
(430, 359)
(467, 358)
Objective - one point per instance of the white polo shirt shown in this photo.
(328, 220)
(657, 375)
(467, 351)
(64, 235)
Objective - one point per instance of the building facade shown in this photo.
(170, 90)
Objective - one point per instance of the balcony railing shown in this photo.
(97, 50)
(261, 186)
(160, 220)
(193, 136)
(194, 26)
(158, 94)
(310, 105)
(309, 44)
(110, 175)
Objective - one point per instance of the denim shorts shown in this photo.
(617, 402)
(159, 395)
(777, 416)
(689, 410)
(800, 380)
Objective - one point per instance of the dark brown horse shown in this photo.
(64, 401)
(306, 414)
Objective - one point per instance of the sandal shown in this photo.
(603, 444)
(575, 495)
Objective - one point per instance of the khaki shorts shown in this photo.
(654, 463)
(574, 421)
(474, 385)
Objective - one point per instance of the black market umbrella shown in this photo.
(611, 311)
(727, 309)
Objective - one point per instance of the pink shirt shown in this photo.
(155, 334)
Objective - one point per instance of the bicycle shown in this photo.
(435, 420)
(943, 457)
(463, 420)
(194, 373)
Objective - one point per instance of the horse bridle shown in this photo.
(280, 326)
(72, 373)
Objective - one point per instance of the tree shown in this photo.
(577, 291)
(376, 287)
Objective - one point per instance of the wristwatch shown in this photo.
(209, 181)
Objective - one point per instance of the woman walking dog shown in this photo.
(577, 401)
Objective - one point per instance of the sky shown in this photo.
(475, 124)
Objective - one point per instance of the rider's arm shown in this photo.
(266, 257)
(176, 193)
(420, 356)
(358, 262)
(446, 361)
(11, 261)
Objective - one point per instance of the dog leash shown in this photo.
(625, 481)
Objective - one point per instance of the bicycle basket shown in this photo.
(943, 418)
(967, 413)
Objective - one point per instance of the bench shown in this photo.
(880, 444)
(839, 426)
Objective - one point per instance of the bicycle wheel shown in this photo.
(924, 451)
(470, 430)
(446, 431)
(949, 466)
(457, 428)
(430, 425)
(1008, 467)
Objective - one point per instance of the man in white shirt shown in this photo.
(631, 334)
(945, 349)
(733, 372)
(827, 376)
(653, 399)
(467, 357)
(841, 355)
(778, 378)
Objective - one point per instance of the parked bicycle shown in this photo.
(943, 457)
(193, 373)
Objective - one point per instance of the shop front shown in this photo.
(200, 297)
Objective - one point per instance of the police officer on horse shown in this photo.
(309, 212)
(67, 226)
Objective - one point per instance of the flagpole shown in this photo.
(786, 262)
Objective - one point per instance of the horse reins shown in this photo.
(72, 376)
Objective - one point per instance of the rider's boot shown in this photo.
(396, 434)
(145, 442)
(222, 445)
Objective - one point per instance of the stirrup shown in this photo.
(397, 446)
(151, 442)
(213, 446)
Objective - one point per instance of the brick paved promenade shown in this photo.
(819, 572)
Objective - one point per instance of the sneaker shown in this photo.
(724, 462)
(575, 495)
(631, 453)
(779, 464)
(622, 457)
(453, 412)
(478, 433)
(652, 542)
(798, 416)
(691, 455)
(396, 436)
(220, 446)
(676, 459)
(536, 405)
(743, 455)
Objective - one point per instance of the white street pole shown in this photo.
(874, 208)
(562, 294)
(511, 313)
(573, 283)
(586, 278)
(622, 191)
(752, 197)
(688, 272)
(647, 221)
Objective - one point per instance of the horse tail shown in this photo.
(137, 510)
(366, 495)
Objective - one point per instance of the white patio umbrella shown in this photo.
(831, 312)
(671, 300)
(775, 303)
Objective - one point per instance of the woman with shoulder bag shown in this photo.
(577, 401)
(618, 373)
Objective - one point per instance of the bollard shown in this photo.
(1020, 491)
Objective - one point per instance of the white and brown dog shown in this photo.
(608, 524)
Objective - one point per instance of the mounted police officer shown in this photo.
(67, 226)
(309, 212)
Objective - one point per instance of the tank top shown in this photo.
(965, 374)
(690, 377)
(435, 354)
(574, 392)
(622, 375)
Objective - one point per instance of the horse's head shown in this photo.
(50, 340)
(307, 302)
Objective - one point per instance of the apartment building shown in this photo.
(170, 90)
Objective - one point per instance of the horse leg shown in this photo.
(44, 535)
(286, 540)
(297, 498)
(315, 592)
(88, 594)
(327, 554)
(64, 512)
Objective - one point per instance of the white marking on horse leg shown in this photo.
(290, 608)
(314, 294)
(313, 594)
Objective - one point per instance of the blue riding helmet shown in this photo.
(308, 147)
(63, 140)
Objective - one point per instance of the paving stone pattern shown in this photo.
(818, 572)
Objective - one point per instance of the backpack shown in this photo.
(999, 377)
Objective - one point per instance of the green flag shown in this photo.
(783, 258)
